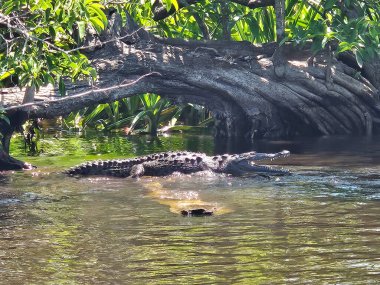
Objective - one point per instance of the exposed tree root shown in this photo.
(9, 163)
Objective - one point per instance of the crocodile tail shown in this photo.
(100, 167)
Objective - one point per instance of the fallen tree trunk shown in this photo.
(235, 80)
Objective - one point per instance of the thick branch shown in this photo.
(80, 100)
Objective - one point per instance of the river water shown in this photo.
(320, 225)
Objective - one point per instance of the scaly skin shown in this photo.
(165, 163)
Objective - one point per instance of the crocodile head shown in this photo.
(254, 162)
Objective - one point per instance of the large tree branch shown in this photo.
(63, 106)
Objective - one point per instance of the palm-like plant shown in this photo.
(145, 112)
(153, 107)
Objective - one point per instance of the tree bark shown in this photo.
(9, 163)
(279, 57)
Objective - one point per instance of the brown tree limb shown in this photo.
(63, 106)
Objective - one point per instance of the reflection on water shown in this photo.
(318, 226)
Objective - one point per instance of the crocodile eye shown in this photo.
(215, 158)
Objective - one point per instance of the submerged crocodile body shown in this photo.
(166, 163)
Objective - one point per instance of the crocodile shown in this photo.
(166, 163)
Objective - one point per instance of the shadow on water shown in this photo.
(318, 226)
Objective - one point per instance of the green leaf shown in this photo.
(3, 116)
(97, 11)
(48, 78)
(324, 42)
(359, 58)
(344, 46)
(62, 87)
(168, 4)
(329, 4)
(5, 119)
(8, 7)
(47, 14)
(6, 74)
(175, 4)
(52, 32)
(81, 29)
(93, 73)
(137, 118)
(97, 24)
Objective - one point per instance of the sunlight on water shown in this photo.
(318, 226)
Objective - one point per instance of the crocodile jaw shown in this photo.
(255, 164)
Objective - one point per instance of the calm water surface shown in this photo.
(318, 226)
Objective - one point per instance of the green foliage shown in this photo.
(3, 118)
(351, 24)
(256, 25)
(109, 116)
(145, 113)
(39, 40)
(32, 136)
(153, 106)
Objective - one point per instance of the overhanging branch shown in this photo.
(59, 107)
